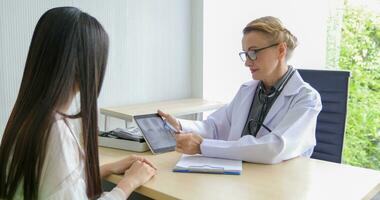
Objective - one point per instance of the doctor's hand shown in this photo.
(188, 143)
(171, 120)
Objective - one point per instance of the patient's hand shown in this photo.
(137, 174)
(119, 167)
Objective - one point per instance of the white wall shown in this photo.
(153, 46)
(165, 49)
(197, 48)
(223, 71)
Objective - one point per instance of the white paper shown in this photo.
(199, 163)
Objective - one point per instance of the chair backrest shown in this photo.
(331, 122)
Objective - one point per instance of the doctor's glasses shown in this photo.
(252, 54)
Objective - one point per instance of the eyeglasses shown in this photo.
(252, 54)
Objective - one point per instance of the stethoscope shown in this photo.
(264, 98)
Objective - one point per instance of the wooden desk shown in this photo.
(175, 107)
(299, 178)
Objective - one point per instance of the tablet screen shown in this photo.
(159, 138)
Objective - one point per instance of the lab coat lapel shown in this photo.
(291, 88)
(276, 107)
(242, 111)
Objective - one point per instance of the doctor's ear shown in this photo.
(282, 50)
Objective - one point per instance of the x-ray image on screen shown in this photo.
(159, 138)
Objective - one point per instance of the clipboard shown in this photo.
(202, 164)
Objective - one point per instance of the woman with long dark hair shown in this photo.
(43, 154)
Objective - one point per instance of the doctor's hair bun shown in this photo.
(274, 28)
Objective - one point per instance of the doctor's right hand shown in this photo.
(171, 120)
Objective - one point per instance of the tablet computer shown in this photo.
(156, 133)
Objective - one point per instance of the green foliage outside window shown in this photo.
(360, 53)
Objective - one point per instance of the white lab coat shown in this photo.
(292, 119)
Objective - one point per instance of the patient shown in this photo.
(43, 154)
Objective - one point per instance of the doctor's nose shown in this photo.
(248, 63)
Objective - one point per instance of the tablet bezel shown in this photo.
(154, 151)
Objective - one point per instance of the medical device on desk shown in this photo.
(124, 138)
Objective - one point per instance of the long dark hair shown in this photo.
(68, 52)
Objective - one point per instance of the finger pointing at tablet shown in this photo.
(171, 120)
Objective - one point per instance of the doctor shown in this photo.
(272, 118)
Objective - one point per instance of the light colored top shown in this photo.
(296, 179)
(63, 175)
(292, 119)
(175, 107)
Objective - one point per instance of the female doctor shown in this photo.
(272, 118)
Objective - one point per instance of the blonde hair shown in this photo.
(273, 27)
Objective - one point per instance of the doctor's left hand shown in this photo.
(188, 143)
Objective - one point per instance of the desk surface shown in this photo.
(299, 178)
(175, 107)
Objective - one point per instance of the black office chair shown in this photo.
(331, 122)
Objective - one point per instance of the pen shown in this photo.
(171, 127)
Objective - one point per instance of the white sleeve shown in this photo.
(77, 191)
(115, 194)
(294, 135)
(217, 125)
(62, 176)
